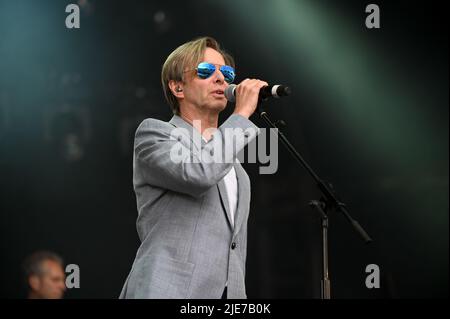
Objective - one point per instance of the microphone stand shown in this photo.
(328, 202)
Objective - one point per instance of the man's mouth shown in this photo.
(218, 92)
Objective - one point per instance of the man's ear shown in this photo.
(177, 88)
(34, 282)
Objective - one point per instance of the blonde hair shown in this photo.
(186, 57)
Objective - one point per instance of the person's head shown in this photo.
(45, 275)
(185, 85)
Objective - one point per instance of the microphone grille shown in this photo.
(229, 93)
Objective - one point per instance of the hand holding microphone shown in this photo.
(249, 92)
(246, 96)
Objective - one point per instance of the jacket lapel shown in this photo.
(243, 194)
(194, 135)
(225, 201)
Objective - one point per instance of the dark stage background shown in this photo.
(369, 112)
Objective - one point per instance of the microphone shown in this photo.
(275, 91)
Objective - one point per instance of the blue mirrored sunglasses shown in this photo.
(205, 70)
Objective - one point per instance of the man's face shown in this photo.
(51, 284)
(206, 93)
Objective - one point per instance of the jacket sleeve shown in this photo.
(166, 157)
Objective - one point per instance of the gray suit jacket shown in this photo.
(189, 248)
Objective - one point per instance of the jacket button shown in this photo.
(233, 245)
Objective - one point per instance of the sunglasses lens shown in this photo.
(204, 70)
(228, 73)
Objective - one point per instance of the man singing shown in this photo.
(193, 208)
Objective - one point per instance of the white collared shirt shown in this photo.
(231, 186)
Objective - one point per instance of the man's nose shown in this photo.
(219, 76)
